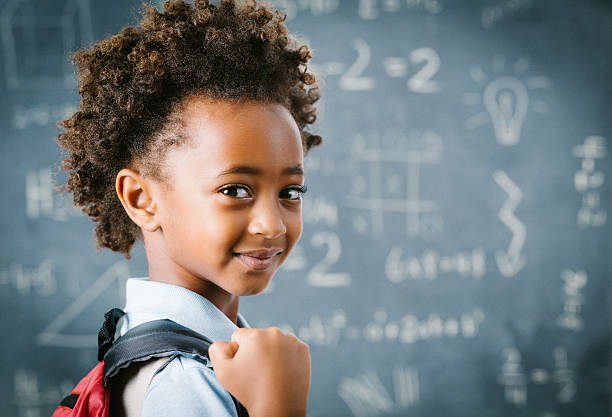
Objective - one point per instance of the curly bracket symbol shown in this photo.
(511, 261)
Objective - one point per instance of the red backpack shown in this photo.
(155, 339)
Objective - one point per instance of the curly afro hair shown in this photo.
(133, 84)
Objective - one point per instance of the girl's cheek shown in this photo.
(229, 224)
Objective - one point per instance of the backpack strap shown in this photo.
(154, 339)
(107, 331)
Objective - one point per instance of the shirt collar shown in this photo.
(151, 300)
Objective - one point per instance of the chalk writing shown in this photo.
(28, 396)
(325, 166)
(401, 163)
(409, 329)
(430, 265)
(52, 334)
(320, 210)
(515, 379)
(27, 280)
(370, 9)
(41, 114)
(353, 79)
(296, 260)
(367, 396)
(589, 182)
(323, 332)
(320, 274)
(421, 82)
(42, 200)
(316, 7)
(511, 261)
(490, 15)
(573, 300)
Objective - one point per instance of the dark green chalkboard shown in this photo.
(456, 254)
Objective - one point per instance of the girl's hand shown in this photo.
(267, 370)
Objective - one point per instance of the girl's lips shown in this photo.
(258, 264)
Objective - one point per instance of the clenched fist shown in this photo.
(267, 370)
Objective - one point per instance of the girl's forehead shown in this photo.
(223, 134)
(198, 108)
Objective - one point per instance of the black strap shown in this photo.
(70, 400)
(107, 331)
(158, 338)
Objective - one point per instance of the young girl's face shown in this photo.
(233, 210)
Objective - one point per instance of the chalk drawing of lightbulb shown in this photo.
(506, 100)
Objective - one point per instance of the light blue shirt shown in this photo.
(186, 386)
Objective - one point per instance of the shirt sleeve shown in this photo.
(188, 388)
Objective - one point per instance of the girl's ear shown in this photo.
(134, 192)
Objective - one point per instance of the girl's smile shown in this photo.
(257, 263)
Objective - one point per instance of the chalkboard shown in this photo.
(456, 252)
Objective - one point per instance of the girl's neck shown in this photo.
(162, 269)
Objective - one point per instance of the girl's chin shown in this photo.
(252, 285)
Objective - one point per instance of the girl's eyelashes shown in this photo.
(296, 192)
(241, 191)
(235, 191)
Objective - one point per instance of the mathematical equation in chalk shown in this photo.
(431, 265)
(573, 300)
(420, 66)
(366, 9)
(39, 280)
(380, 195)
(335, 329)
(42, 200)
(24, 68)
(371, 9)
(516, 380)
(589, 182)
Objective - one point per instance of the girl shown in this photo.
(190, 136)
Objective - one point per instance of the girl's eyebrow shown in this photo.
(244, 169)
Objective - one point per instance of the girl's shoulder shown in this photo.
(186, 386)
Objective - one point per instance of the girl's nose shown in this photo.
(267, 219)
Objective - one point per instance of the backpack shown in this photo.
(154, 339)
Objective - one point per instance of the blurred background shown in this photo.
(456, 254)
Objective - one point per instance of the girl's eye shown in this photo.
(235, 191)
(294, 193)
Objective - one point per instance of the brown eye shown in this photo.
(235, 191)
(293, 193)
